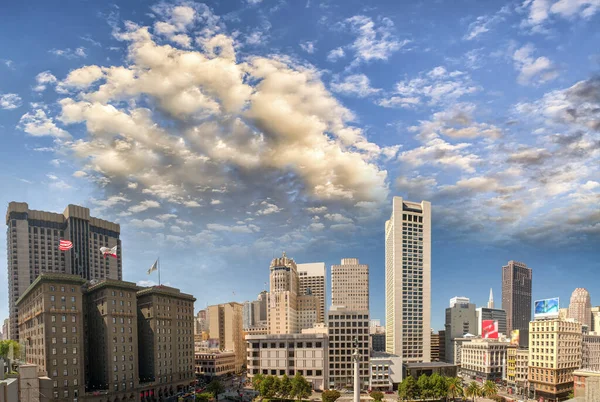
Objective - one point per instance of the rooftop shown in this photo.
(427, 365)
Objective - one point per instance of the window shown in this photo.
(51, 298)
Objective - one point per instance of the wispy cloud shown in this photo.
(533, 71)
(69, 53)
(357, 85)
(374, 41)
(10, 101)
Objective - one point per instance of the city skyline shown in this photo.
(489, 113)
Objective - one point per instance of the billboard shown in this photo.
(489, 329)
(515, 337)
(546, 308)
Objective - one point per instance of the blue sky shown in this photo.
(219, 134)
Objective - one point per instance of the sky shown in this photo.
(221, 134)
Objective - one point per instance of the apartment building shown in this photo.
(165, 340)
(345, 328)
(283, 296)
(111, 359)
(408, 280)
(32, 248)
(313, 278)
(554, 353)
(225, 329)
(51, 325)
(350, 285)
(215, 364)
(280, 354)
(590, 353)
(484, 359)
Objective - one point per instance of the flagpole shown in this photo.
(158, 259)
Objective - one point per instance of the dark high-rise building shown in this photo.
(516, 295)
(378, 342)
(32, 248)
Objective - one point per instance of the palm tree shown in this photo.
(473, 390)
(489, 389)
(454, 387)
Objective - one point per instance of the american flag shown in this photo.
(65, 245)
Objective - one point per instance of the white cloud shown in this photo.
(178, 20)
(268, 209)
(215, 202)
(308, 47)
(70, 53)
(439, 152)
(316, 210)
(111, 201)
(143, 206)
(316, 227)
(233, 228)
(336, 54)
(80, 174)
(541, 10)
(435, 87)
(83, 77)
(483, 24)
(219, 112)
(338, 218)
(10, 101)
(533, 70)
(374, 42)
(147, 223)
(38, 124)
(43, 79)
(357, 84)
(166, 217)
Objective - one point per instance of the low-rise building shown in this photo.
(385, 371)
(258, 329)
(456, 348)
(590, 352)
(215, 364)
(483, 359)
(554, 354)
(586, 385)
(289, 354)
(415, 370)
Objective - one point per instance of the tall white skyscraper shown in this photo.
(408, 281)
(314, 280)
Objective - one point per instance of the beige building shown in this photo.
(408, 281)
(166, 340)
(580, 307)
(312, 277)
(595, 320)
(32, 248)
(350, 285)
(225, 327)
(260, 329)
(284, 288)
(590, 353)
(290, 354)
(51, 325)
(346, 326)
(484, 359)
(215, 364)
(112, 349)
(309, 311)
(517, 368)
(587, 385)
(554, 353)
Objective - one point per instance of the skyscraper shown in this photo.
(283, 296)
(32, 248)
(225, 326)
(516, 295)
(350, 285)
(408, 280)
(461, 319)
(312, 276)
(491, 299)
(580, 307)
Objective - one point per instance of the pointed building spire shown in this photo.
(491, 300)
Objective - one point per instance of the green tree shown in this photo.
(425, 386)
(10, 349)
(377, 396)
(256, 380)
(473, 390)
(408, 389)
(267, 387)
(439, 385)
(285, 388)
(489, 389)
(301, 389)
(330, 395)
(454, 387)
(204, 397)
(215, 387)
(571, 395)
